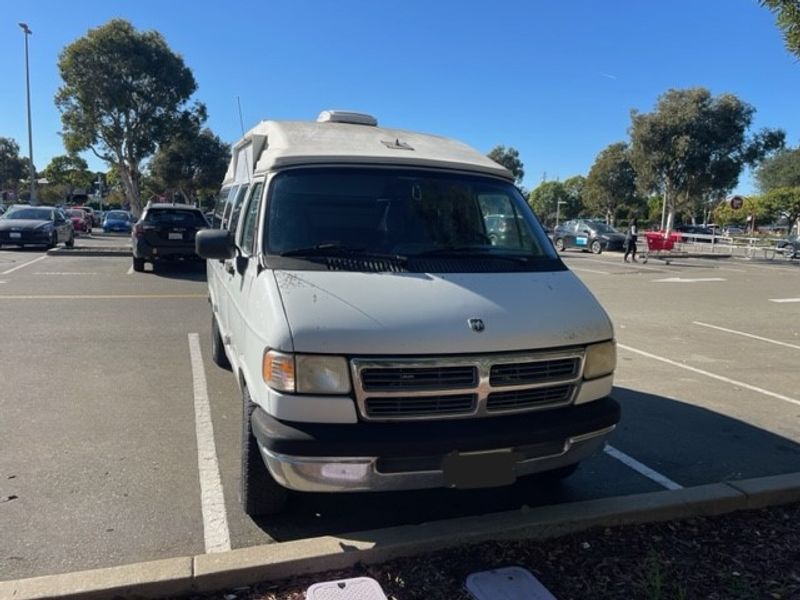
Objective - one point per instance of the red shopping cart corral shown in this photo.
(662, 246)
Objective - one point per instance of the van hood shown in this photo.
(416, 313)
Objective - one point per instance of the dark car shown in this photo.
(789, 246)
(700, 230)
(36, 226)
(117, 220)
(588, 235)
(81, 221)
(166, 232)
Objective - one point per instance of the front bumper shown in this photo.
(403, 456)
(26, 237)
(146, 251)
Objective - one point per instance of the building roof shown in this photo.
(275, 144)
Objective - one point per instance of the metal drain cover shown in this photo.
(357, 588)
(509, 583)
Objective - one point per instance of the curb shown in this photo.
(91, 251)
(246, 566)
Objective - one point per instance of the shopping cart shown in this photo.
(663, 247)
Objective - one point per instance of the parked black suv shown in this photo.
(166, 232)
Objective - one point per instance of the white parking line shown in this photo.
(688, 279)
(130, 270)
(581, 270)
(25, 264)
(750, 335)
(642, 469)
(740, 384)
(62, 273)
(784, 300)
(215, 520)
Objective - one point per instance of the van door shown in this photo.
(245, 271)
(214, 268)
(230, 219)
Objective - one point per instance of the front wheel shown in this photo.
(596, 247)
(70, 243)
(259, 493)
(53, 241)
(559, 244)
(138, 264)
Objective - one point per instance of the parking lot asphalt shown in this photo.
(98, 446)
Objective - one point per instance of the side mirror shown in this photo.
(241, 264)
(215, 243)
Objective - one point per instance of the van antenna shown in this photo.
(241, 120)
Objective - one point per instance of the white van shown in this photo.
(384, 332)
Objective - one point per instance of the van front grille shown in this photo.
(415, 406)
(465, 386)
(515, 399)
(534, 372)
(427, 378)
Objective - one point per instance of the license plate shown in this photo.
(176, 236)
(14, 236)
(581, 241)
(485, 469)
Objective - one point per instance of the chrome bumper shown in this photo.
(351, 474)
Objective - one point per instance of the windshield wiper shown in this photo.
(460, 250)
(477, 251)
(322, 250)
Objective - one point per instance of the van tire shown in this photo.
(217, 347)
(138, 264)
(259, 493)
(596, 247)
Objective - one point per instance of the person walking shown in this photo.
(630, 241)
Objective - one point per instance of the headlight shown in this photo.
(601, 359)
(306, 374)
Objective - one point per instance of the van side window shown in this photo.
(502, 222)
(219, 207)
(232, 219)
(248, 233)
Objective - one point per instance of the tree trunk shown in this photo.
(184, 194)
(131, 188)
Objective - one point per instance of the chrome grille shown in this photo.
(389, 389)
(413, 406)
(533, 372)
(528, 398)
(431, 378)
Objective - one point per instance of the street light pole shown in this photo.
(558, 209)
(31, 171)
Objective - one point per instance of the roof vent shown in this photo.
(343, 116)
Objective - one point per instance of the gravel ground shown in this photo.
(745, 555)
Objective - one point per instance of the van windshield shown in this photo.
(401, 213)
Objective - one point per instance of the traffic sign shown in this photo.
(736, 202)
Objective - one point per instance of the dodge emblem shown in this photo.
(476, 325)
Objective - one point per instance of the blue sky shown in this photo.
(554, 79)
